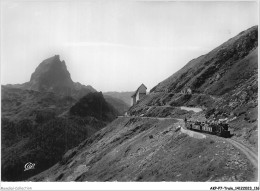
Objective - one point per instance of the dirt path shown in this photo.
(195, 109)
(159, 118)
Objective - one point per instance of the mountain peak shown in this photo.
(51, 74)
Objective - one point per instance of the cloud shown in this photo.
(117, 45)
(97, 44)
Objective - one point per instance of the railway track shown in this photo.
(251, 155)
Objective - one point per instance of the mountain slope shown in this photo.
(94, 105)
(18, 104)
(149, 150)
(205, 73)
(118, 104)
(222, 82)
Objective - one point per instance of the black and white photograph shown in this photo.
(130, 94)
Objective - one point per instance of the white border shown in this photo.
(126, 185)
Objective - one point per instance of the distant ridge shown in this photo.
(124, 96)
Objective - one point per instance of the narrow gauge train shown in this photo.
(211, 128)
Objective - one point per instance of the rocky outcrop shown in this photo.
(52, 76)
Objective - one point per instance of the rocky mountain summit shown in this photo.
(52, 76)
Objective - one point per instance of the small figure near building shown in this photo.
(139, 94)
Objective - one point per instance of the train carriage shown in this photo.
(212, 128)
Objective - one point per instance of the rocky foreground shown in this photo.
(151, 149)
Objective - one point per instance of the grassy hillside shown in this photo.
(136, 149)
(18, 104)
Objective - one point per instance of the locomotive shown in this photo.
(219, 129)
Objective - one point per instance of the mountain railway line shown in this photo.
(250, 154)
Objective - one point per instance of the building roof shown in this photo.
(138, 89)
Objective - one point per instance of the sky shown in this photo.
(115, 45)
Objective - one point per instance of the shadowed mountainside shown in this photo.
(124, 96)
(120, 105)
(94, 105)
(40, 127)
(44, 116)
